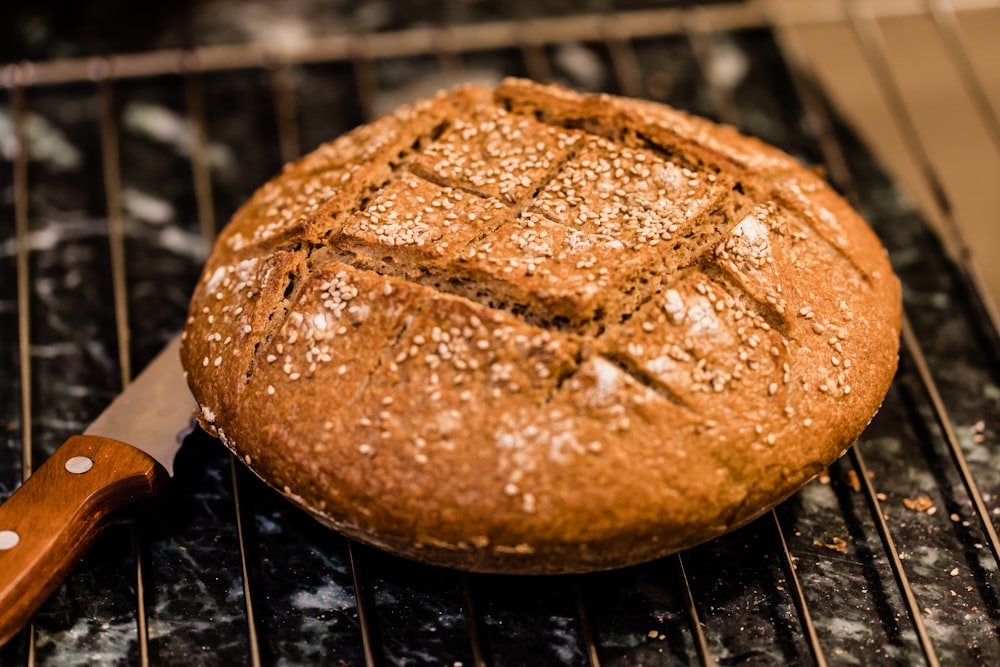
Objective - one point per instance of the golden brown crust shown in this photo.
(527, 330)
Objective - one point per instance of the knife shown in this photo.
(57, 514)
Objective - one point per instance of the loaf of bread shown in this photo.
(528, 330)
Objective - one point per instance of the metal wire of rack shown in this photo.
(693, 629)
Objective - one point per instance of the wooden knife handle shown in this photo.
(57, 514)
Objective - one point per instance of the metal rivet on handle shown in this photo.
(79, 465)
(8, 539)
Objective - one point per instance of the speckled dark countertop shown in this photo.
(299, 574)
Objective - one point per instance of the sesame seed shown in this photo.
(528, 502)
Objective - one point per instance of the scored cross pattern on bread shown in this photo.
(529, 330)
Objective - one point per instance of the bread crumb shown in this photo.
(836, 544)
(852, 480)
(920, 504)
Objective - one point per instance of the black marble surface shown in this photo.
(302, 594)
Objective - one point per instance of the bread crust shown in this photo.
(527, 330)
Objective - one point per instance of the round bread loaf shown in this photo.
(528, 330)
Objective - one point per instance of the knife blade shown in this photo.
(123, 458)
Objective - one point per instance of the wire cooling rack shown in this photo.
(890, 557)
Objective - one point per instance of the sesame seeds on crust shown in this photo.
(497, 154)
(633, 195)
(428, 223)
